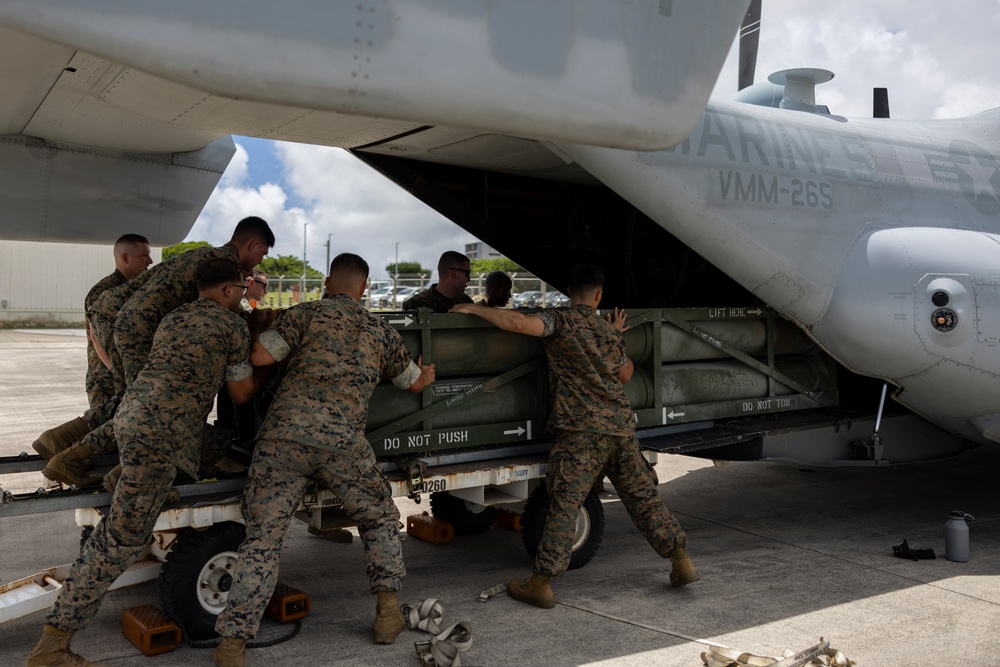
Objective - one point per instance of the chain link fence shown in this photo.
(389, 293)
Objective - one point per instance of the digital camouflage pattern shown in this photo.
(339, 353)
(99, 383)
(215, 442)
(172, 285)
(585, 354)
(101, 440)
(278, 476)
(120, 538)
(197, 347)
(314, 430)
(100, 414)
(575, 464)
(161, 421)
(101, 316)
(591, 419)
(431, 298)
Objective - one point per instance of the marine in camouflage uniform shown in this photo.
(131, 252)
(453, 276)
(173, 285)
(159, 423)
(433, 299)
(314, 430)
(591, 421)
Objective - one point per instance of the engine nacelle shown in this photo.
(920, 306)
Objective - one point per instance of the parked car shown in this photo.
(376, 298)
(556, 300)
(528, 300)
(402, 294)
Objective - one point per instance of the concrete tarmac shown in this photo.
(787, 553)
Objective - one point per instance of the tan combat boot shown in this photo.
(52, 650)
(534, 590)
(388, 619)
(683, 572)
(70, 467)
(56, 439)
(231, 652)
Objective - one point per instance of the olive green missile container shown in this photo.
(691, 366)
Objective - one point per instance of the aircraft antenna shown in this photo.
(749, 40)
(880, 103)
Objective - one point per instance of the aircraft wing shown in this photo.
(116, 114)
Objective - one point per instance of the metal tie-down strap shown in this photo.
(452, 401)
(773, 373)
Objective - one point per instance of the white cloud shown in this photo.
(343, 199)
(935, 58)
(233, 200)
(363, 211)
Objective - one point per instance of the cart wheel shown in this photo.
(589, 526)
(197, 575)
(466, 518)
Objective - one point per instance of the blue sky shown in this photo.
(937, 59)
(339, 197)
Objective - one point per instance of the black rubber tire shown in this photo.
(184, 585)
(456, 511)
(587, 544)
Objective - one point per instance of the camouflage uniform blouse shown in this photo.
(196, 348)
(431, 298)
(170, 286)
(339, 352)
(585, 354)
(104, 284)
(103, 312)
(98, 376)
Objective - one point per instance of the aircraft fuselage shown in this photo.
(879, 237)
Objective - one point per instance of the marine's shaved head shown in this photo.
(348, 275)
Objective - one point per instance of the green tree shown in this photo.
(181, 248)
(288, 266)
(498, 264)
(406, 268)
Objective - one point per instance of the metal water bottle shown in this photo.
(956, 536)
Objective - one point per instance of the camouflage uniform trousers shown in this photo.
(575, 464)
(102, 413)
(215, 442)
(119, 539)
(279, 474)
(101, 438)
(133, 340)
(100, 383)
(104, 330)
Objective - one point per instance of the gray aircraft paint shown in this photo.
(849, 227)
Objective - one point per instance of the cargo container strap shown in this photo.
(443, 648)
(682, 324)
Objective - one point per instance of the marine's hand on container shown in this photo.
(427, 376)
(618, 320)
